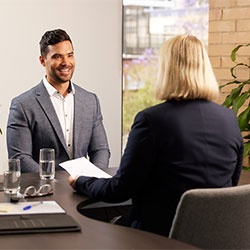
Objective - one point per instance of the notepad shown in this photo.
(46, 207)
(6, 208)
(37, 223)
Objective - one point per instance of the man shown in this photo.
(56, 113)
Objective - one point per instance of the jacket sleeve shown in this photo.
(19, 138)
(239, 148)
(98, 149)
(237, 172)
(134, 171)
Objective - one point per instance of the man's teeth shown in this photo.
(64, 70)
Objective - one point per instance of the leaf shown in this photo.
(233, 54)
(246, 168)
(246, 148)
(244, 118)
(247, 137)
(233, 68)
(222, 86)
(247, 128)
(230, 98)
(239, 101)
(236, 66)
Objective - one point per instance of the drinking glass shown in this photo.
(12, 177)
(47, 163)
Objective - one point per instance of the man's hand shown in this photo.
(72, 181)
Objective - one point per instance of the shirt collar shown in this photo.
(51, 90)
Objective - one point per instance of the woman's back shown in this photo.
(195, 144)
(196, 138)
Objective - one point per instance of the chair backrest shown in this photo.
(217, 218)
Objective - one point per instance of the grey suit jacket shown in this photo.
(33, 124)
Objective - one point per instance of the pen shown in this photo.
(30, 206)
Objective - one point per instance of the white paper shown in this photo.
(82, 166)
(37, 207)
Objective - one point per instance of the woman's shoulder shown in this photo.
(155, 108)
(218, 107)
(187, 106)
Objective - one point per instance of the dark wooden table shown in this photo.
(94, 234)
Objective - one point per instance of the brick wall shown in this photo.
(229, 25)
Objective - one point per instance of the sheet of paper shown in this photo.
(6, 207)
(33, 207)
(82, 166)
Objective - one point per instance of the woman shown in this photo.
(184, 143)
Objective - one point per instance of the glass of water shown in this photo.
(47, 163)
(12, 177)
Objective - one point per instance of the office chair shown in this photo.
(217, 218)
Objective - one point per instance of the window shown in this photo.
(147, 24)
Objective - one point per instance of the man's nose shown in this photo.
(65, 60)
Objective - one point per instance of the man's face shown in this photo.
(59, 63)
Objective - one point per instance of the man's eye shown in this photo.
(56, 56)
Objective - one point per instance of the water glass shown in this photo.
(47, 163)
(12, 177)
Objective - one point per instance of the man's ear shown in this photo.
(42, 60)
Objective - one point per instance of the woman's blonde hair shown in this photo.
(185, 71)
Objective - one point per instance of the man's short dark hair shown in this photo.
(52, 37)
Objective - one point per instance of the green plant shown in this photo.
(239, 99)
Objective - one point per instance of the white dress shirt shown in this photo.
(64, 108)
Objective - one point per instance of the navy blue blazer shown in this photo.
(172, 147)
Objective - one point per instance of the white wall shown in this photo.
(95, 28)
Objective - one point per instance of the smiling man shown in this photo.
(56, 113)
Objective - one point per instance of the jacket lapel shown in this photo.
(43, 98)
(78, 119)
